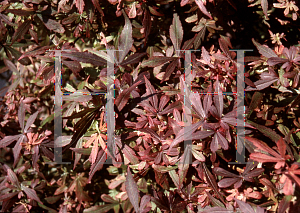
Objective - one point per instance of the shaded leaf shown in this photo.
(276, 60)
(284, 204)
(21, 31)
(255, 101)
(20, 12)
(147, 24)
(226, 182)
(244, 206)
(5, 197)
(97, 5)
(214, 201)
(266, 131)
(132, 59)
(199, 37)
(184, 164)
(74, 66)
(70, 19)
(21, 115)
(51, 24)
(85, 57)
(31, 194)
(17, 54)
(223, 172)
(100, 208)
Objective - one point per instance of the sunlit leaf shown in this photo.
(176, 32)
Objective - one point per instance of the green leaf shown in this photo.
(174, 177)
(47, 120)
(156, 61)
(163, 169)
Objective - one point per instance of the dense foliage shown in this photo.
(151, 96)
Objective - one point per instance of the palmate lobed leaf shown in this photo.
(152, 94)
(124, 96)
(98, 165)
(184, 134)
